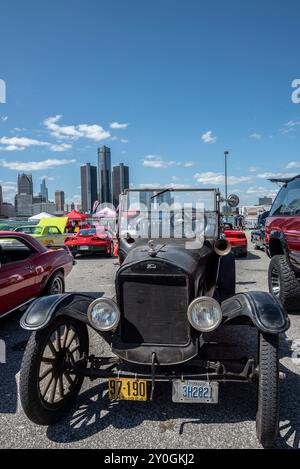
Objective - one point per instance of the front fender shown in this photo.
(261, 309)
(45, 309)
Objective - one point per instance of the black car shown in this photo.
(258, 235)
(176, 282)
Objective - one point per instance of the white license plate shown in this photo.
(195, 391)
(84, 248)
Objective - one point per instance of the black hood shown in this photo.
(173, 255)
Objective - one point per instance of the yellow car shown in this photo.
(48, 231)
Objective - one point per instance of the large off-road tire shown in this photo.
(267, 417)
(47, 389)
(283, 283)
(226, 280)
(55, 285)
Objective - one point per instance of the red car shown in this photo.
(29, 270)
(237, 239)
(90, 241)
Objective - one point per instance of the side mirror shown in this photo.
(233, 200)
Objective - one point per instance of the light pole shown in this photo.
(226, 153)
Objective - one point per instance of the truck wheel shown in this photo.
(226, 280)
(55, 285)
(47, 386)
(267, 417)
(283, 282)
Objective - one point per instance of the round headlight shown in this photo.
(104, 314)
(204, 314)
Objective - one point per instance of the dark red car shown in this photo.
(283, 244)
(237, 239)
(91, 241)
(29, 270)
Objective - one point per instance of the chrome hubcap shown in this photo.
(275, 281)
(57, 286)
(56, 381)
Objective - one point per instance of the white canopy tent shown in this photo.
(40, 216)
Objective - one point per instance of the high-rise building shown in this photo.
(60, 201)
(104, 175)
(44, 190)
(25, 184)
(1, 200)
(120, 181)
(23, 205)
(265, 200)
(88, 175)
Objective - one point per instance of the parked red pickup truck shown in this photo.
(283, 244)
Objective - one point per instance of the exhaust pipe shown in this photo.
(222, 247)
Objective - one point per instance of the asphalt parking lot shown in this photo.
(97, 423)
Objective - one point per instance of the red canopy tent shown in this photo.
(76, 216)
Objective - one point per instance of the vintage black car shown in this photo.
(175, 284)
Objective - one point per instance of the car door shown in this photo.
(17, 276)
(55, 234)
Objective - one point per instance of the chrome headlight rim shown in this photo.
(113, 304)
(214, 303)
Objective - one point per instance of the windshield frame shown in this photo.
(216, 201)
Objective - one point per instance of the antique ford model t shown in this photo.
(175, 285)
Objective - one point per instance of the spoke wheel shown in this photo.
(48, 387)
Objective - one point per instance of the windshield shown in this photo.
(26, 229)
(168, 213)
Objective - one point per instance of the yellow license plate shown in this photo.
(127, 389)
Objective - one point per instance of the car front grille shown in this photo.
(154, 309)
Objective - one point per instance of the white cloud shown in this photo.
(208, 137)
(60, 147)
(293, 164)
(117, 125)
(154, 161)
(34, 165)
(48, 178)
(189, 164)
(3, 118)
(93, 132)
(253, 169)
(124, 140)
(275, 175)
(290, 126)
(256, 136)
(262, 191)
(21, 143)
(218, 178)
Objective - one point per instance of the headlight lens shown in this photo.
(204, 314)
(104, 314)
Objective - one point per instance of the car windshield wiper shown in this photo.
(161, 192)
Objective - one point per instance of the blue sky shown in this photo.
(168, 85)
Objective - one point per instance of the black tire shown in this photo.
(55, 285)
(267, 417)
(111, 250)
(225, 287)
(283, 283)
(35, 406)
